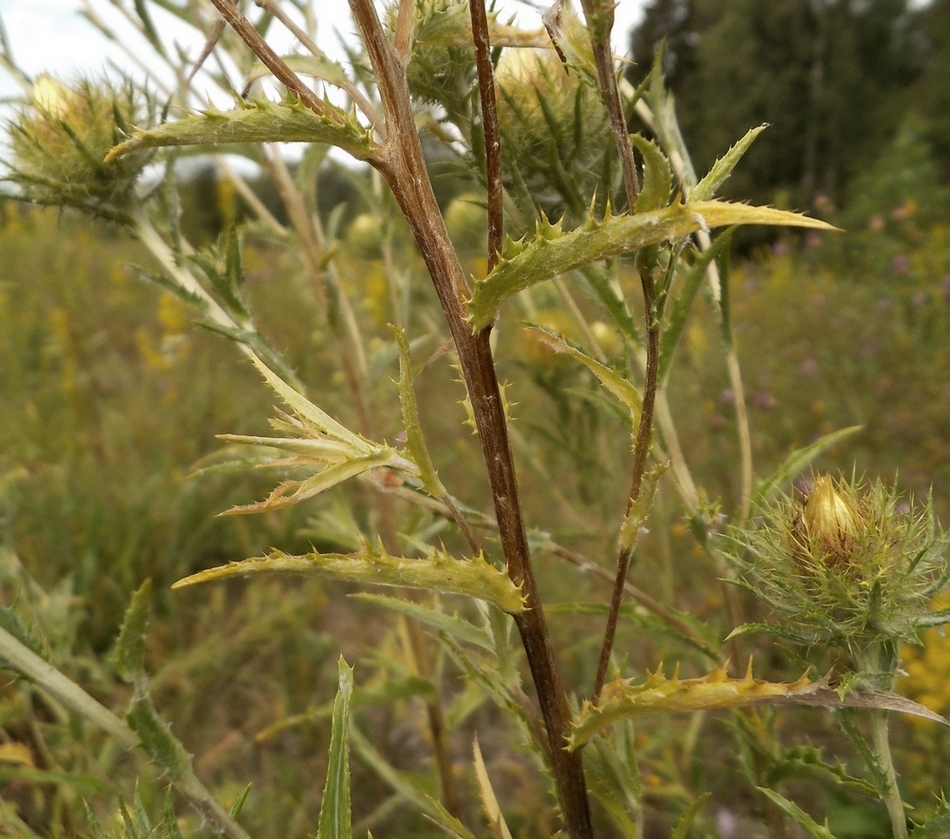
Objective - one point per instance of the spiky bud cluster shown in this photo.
(555, 130)
(849, 566)
(61, 138)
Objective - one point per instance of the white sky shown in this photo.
(50, 36)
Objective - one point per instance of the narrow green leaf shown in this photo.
(684, 301)
(168, 827)
(335, 816)
(790, 808)
(260, 121)
(156, 738)
(798, 460)
(439, 571)
(169, 284)
(415, 441)
(316, 66)
(490, 806)
(615, 783)
(623, 389)
(305, 409)
(452, 625)
(10, 621)
(402, 783)
(128, 654)
(550, 253)
(238, 805)
(657, 175)
(722, 168)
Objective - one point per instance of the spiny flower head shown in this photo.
(850, 566)
(60, 139)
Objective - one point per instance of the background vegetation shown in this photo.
(111, 397)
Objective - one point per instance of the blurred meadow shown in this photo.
(111, 397)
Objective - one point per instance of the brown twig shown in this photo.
(641, 453)
(486, 89)
(600, 19)
(230, 12)
(402, 164)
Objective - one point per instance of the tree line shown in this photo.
(837, 80)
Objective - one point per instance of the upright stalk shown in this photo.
(600, 19)
(402, 164)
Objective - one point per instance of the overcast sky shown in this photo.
(50, 36)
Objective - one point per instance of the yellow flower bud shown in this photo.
(828, 525)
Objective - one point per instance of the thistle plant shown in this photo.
(617, 229)
(854, 569)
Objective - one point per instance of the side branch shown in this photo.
(230, 12)
(486, 88)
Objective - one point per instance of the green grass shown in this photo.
(110, 396)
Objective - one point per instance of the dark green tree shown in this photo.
(931, 95)
(830, 76)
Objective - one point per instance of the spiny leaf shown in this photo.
(335, 817)
(607, 766)
(622, 699)
(657, 175)
(683, 825)
(633, 520)
(156, 737)
(306, 410)
(129, 651)
(291, 492)
(550, 253)
(257, 122)
(937, 826)
(490, 806)
(439, 571)
(722, 168)
(658, 695)
(818, 831)
(806, 761)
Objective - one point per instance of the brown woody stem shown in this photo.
(402, 165)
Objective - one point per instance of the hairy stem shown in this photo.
(880, 743)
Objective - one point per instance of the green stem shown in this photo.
(880, 743)
(64, 690)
